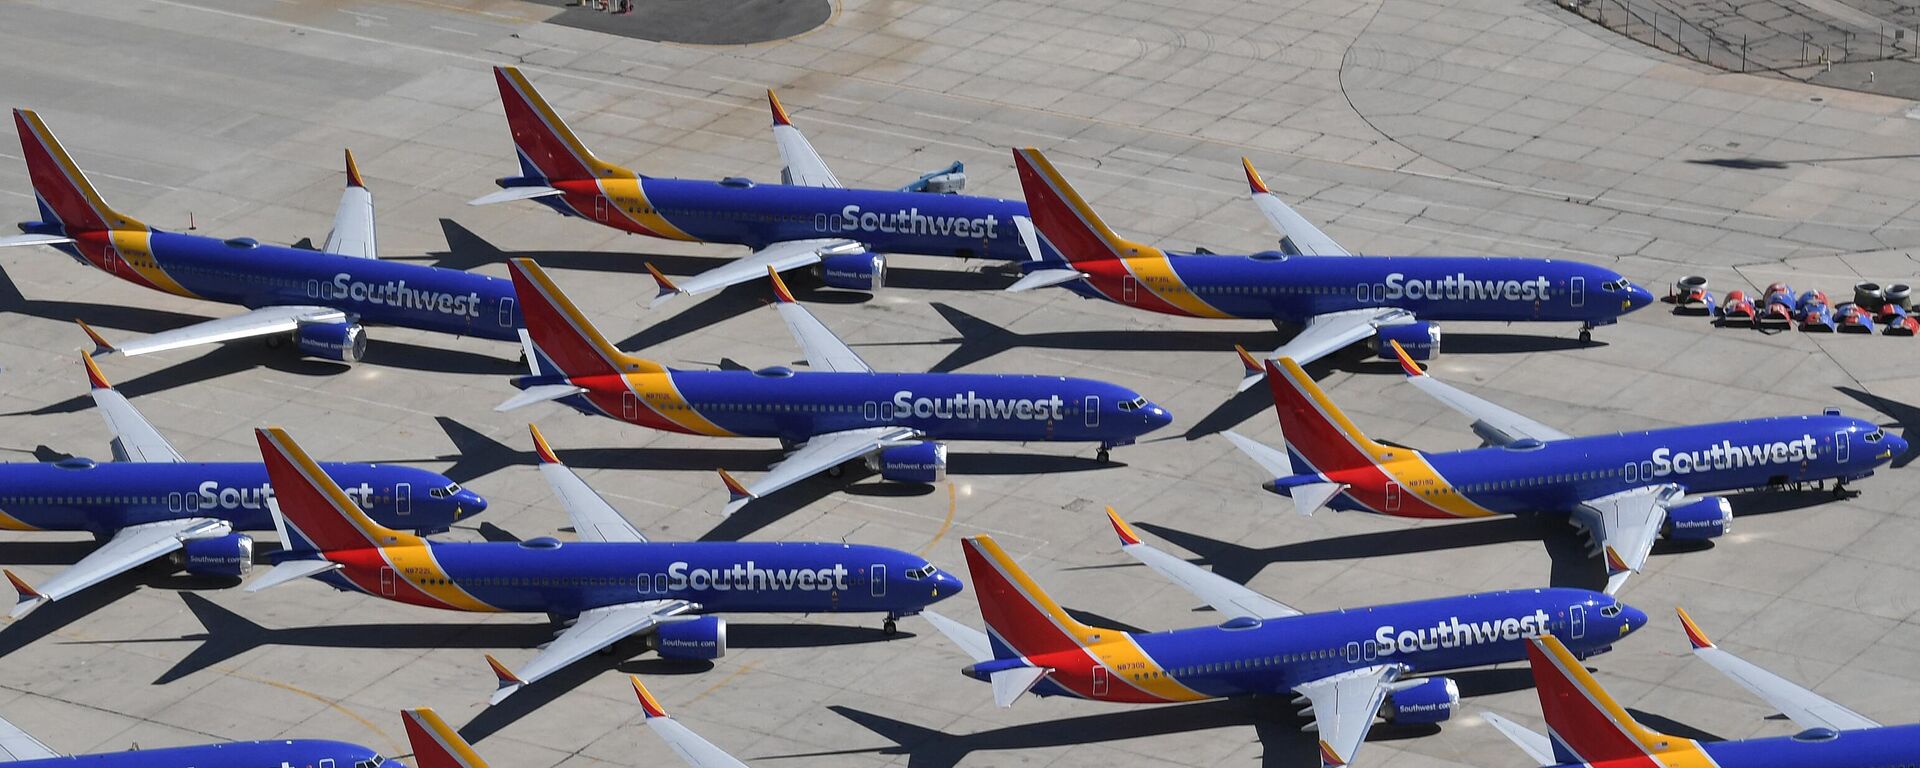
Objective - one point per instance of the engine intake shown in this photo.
(1426, 700)
(701, 639)
(1698, 520)
(924, 463)
(345, 342)
(227, 557)
(863, 271)
(1420, 340)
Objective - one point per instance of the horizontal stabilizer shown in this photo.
(1530, 741)
(289, 571)
(1276, 462)
(972, 642)
(539, 394)
(12, 240)
(1010, 684)
(511, 194)
(1310, 498)
(1042, 278)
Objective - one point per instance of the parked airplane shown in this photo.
(19, 749)
(1624, 490)
(1339, 298)
(840, 411)
(436, 745)
(320, 300)
(150, 502)
(1346, 666)
(592, 582)
(809, 218)
(1587, 727)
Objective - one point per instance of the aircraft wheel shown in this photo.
(1586, 336)
(890, 627)
(1102, 455)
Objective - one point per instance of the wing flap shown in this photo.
(1624, 527)
(17, 745)
(594, 630)
(1344, 706)
(264, 321)
(1329, 333)
(130, 548)
(780, 256)
(821, 453)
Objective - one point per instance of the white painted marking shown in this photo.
(647, 64)
(831, 97)
(942, 117)
(737, 80)
(451, 30)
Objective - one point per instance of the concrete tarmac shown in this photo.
(1402, 126)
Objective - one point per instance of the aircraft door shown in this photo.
(1842, 443)
(193, 502)
(1130, 289)
(1369, 651)
(1353, 652)
(629, 405)
(1092, 407)
(326, 763)
(1099, 680)
(388, 583)
(877, 580)
(506, 312)
(403, 498)
(173, 501)
(600, 208)
(1577, 292)
(1577, 621)
(1393, 496)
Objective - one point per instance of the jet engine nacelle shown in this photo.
(227, 557)
(946, 181)
(924, 463)
(345, 342)
(863, 271)
(1427, 700)
(700, 639)
(1420, 340)
(1705, 518)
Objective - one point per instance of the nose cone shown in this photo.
(1637, 297)
(1631, 619)
(467, 504)
(1156, 416)
(945, 585)
(1896, 446)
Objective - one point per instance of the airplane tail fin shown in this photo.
(562, 338)
(547, 147)
(1022, 620)
(435, 744)
(1063, 218)
(317, 514)
(1315, 429)
(64, 193)
(1585, 723)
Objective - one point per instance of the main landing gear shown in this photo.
(891, 626)
(1101, 455)
(1586, 333)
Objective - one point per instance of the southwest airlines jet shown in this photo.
(320, 300)
(840, 411)
(809, 219)
(437, 745)
(150, 502)
(611, 585)
(1624, 490)
(1346, 666)
(1587, 727)
(19, 749)
(1338, 298)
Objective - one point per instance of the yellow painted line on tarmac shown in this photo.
(953, 503)
(393, 747)
(723, 682)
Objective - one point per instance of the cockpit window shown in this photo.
(376, 762)
(452, 488)
(446, 492)
(1610, 611)
(1126, 405)
(1876, 435)
(921, 572)
(1139, 402)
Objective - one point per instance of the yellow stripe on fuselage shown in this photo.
(659, 392)
(135, 249)
(629, 196)
(11, 523)
(1414, 473)
(1155, 271)
(417, 565)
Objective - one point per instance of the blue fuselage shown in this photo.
(233, 754)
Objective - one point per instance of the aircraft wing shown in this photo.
(804, 166)
(130, 548)
(1223, 594)
(134, 438)
(1493, 423)
(264, 321)
(1344, 706)
(594, 630)
(1306, 238)
(352, 233)
(825, 351)
(17, 745)
(1624, 527)
(1804, 707)
(778, 256)
(821, 453)
(692, 749)
(1530, 741)
(593, 518)
(1329, 333)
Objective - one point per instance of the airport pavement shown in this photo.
(1402, 125)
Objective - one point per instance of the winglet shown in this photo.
(30, 598)
(1407, 365)
(1248, 363)
(1127, 536)
(100, 344)
(647, 702)
(1615, 563)
(1694, 634)
(509, 682)
(779, 112)
(1254, 182)
(737, 494)
(540, 447)
(667, 288)
(95, 379)
(1328, 757)
(353, 172)
(780, 292)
